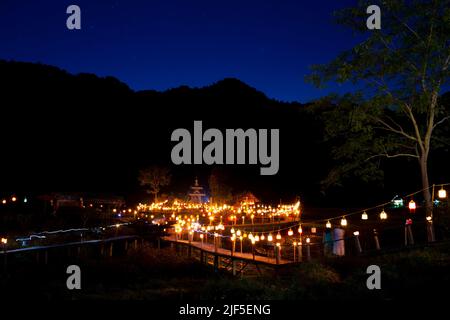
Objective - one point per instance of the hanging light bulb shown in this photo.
(232, 230)
(412, 205)
(290, 233)
(269, 237)
(256, 238)
(364, 216)
(238, 233)
(300, 230)
(278, 235)
(442, 194)
(250, 236)
(308, 240)
(263, 237)
(383, 215)
(343, 222)
(328, 225)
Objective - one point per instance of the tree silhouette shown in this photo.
(220, 192)
(401, 70)
(154, 177)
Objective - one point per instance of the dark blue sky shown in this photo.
(160, 44)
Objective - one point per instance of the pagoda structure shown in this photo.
(196, 193)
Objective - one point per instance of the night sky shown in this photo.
(163, 44)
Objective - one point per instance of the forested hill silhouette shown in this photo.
(65, 132)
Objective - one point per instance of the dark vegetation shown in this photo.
(81, 132)
(153, 274)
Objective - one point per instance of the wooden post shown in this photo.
(300, 251)
(295, 249)
(308, 252)
(410, 235)
(216, 263)
(430, 231)
(358, 244)
(111, 249)
(277, 254)
(430, 227)
(233, 247)
(375, 237)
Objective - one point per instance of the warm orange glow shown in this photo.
(442, 194)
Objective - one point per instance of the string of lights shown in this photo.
(254, 236)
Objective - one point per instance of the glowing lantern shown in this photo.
(328, 225)
(308, 240)
(278, 244)
(201, 236)
(356, 233)
(232, 230)
(313, 230)
(442, 193)
(269, 237)
(343, 222)
(364, 216)
(263, 237)
(250, 236)
(278, 236)
(412, 205)
(290, 233)
(300, 230)
(238, 233)
(13, 199)
(383, 215)
(256, 238)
